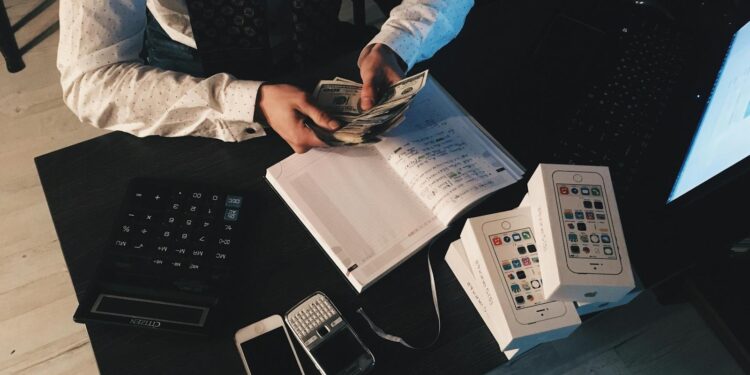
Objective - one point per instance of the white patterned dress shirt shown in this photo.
(107, 85)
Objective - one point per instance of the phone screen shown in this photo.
(339, 351)
(586, 222)
(518, 262)
(270, 354)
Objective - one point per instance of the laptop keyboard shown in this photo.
(174, 236)
(619, 114)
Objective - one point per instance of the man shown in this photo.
(106, 83)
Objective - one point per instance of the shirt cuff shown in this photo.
(406, 46)
(240, 99)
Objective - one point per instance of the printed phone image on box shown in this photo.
(503, 255)
(516, 259)
(587, 223)
(574, 210)
(459, 264)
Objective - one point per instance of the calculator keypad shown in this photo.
(176, 232)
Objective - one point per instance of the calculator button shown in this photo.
(150, 196)
(122, 262)
(139, 245)
(204, 238)
(161, 248)
(231, 214)
(155, 200)
(336, 322)
(148, 218)
(189, 221)
(233, 201)
(178, 195)
(224, 242)
(211, 212)
(219, 273)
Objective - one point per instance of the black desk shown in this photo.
(85, 183)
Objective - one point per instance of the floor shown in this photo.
(38, 336)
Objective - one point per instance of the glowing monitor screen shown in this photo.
(723, 136)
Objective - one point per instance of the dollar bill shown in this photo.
(340, 98)
(405, 88)
(339, 79)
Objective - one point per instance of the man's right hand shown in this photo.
(285, 107)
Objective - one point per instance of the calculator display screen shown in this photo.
(338, 351)
(270, 354)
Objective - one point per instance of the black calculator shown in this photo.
(168, 259)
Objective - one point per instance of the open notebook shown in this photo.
(371, 207)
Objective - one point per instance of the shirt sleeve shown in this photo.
(106, 84)
(416, 29)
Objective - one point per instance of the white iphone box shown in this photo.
(585, 308)
(582, 251)
(503, 257)
(459, 264)
(524, 201)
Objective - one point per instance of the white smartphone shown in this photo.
(586, 220)
(517, 262)
(266, 349)
(327, 337)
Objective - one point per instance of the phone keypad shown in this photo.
(315, 319)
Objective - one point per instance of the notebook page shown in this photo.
(445, 157)
(359, 211)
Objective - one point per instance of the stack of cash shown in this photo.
(340, 99)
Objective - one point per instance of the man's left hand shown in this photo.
(379, 68)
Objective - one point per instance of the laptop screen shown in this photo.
(723, 136)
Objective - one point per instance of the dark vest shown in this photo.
(254, 39)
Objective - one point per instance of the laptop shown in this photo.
(621, 84)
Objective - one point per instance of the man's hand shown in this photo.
(285, 107)
(379, 68)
